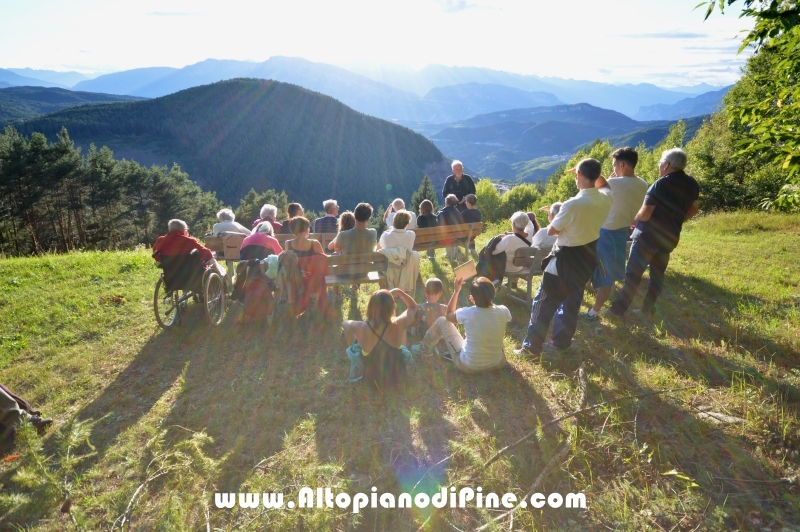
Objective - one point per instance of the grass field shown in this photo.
(151, 423)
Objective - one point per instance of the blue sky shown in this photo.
(664, 42)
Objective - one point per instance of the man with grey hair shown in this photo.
(178, 242)
(327, 224)
(669, 202)
(570, 265)
(459, 184)
(228, 224)
(514, 240)
(395, 207)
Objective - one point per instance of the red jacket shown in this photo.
(179, 243)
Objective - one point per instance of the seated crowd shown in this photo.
(587, 236)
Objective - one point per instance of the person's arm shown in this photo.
(350, 330)
(389, 210)
(406, 318)
(451, 305)
(445, 188)
(601, 182)
(552, 231)
(644, 213)
(332, 244)
(692, 210)
(317, 247)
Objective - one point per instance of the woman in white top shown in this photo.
(398, 235)
(542, 239)
(228, 223)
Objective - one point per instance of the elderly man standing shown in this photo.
(328, 223)
(395, 207)
(669, 202)
(459, 184)
(571, 263)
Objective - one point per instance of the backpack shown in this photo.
(385, 366)
(493, 267)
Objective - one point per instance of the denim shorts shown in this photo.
(610, 257)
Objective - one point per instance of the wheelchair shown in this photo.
(183, 279)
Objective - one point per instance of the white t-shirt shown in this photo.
(542, 240)
(398, 237)
(582, 216)
(411, 225)
(230, 227)
(530, 229)
(628, 198)
(485, 329)
(510, 244)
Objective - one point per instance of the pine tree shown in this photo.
(425, 192)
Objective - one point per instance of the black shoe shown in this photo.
(40, 423)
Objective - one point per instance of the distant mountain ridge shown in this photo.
(703, 104)
(67, 79)
(15, 80)
(18, 103)
(247, 133)
(496, 144)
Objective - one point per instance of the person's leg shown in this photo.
(451, 252)
(566, 317)
(431, 253)
(637, 262)
(443, 329)
(658, 265)
(611, 265)
(545, 304)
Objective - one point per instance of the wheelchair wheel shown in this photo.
(215, 298)
(166, 306)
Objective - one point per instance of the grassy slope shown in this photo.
(280, 417)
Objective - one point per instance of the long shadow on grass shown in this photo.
(145, 380)
(691, 308)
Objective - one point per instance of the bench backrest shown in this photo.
(357, 264)
(227, 242)
(529, 257)
(430, 237)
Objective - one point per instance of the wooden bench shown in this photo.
(459, 235)
(358, 268)
(530, 259)
(226, 243)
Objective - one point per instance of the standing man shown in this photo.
(571, 263)
(328, 223)
(628, 191)
(669, 202)
(459, 184)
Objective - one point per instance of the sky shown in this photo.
(665, 42)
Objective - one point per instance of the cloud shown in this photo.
(604, 71)
(171, 14)
(454, 6)
(667, 35)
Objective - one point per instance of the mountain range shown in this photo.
(703, 104)
(19, 103)
(496, 144)
(235, 135)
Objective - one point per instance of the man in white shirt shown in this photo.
(397, 206)
(571, 264)
(629, 191)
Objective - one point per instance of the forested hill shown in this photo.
(240, 134)
(17, 103)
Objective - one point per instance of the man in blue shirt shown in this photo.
(450, 216)
(669, 202)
